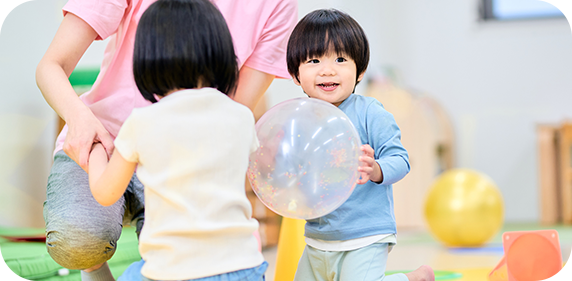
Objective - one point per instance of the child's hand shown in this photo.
(369, 169)
(97, 159)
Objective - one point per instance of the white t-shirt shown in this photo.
(192, 148)
(352, 244)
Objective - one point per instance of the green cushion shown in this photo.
(31, 260)
(82, 79)
(83, 76)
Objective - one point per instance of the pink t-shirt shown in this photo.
(259, 28)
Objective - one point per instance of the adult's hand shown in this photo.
(84, 129)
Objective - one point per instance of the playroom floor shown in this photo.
(415, 248)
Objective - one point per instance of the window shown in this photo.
(518, 9)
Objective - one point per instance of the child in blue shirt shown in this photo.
(327, 56)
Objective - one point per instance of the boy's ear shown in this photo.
(295, 79)
(360, 76)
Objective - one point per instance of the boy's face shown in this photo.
(331, 77)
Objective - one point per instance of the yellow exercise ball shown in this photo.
(464, 208)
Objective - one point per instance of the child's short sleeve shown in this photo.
(126, 140)
(255, 143)
(104, 16)
(269, 54)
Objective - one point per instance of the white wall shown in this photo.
(26, 122)
(497, 80)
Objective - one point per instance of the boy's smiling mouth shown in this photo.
(328, 86)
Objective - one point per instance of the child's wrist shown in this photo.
(97, 147)
(378, 174)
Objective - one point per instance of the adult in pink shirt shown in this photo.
(81, 234)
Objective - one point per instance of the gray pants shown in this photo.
(80, 233)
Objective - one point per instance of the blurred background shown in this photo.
(495, 79)
(478, 84)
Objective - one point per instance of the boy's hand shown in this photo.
(369, 169)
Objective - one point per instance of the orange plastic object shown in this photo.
(528, 256)
(499, 273)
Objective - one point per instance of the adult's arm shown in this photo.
(71, 41)
(252, 84)
(269, 57)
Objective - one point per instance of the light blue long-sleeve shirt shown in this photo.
(369, 210)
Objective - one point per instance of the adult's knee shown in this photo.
(80, 232)
(76, 248)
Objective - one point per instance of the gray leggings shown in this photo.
(80, 233)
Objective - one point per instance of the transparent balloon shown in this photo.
(307, 163)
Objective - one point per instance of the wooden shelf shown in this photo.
(555, 172)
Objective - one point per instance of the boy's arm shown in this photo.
(108, 181)
(385, 138)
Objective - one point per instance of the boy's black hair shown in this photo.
(323, 31)
(181, 44)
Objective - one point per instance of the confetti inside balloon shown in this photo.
(306, 165)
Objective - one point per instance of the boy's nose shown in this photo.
(327, 70)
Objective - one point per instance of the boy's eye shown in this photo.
(313, 61)
(340, 59)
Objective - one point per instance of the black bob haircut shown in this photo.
(323, 31)
(183, 44)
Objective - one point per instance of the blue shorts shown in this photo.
(133, 273)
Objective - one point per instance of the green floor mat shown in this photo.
(31, 260)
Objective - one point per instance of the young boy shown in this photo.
(327, 56)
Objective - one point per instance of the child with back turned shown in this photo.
(327, 55)
(190, 147)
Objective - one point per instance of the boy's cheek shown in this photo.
(295, 80)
